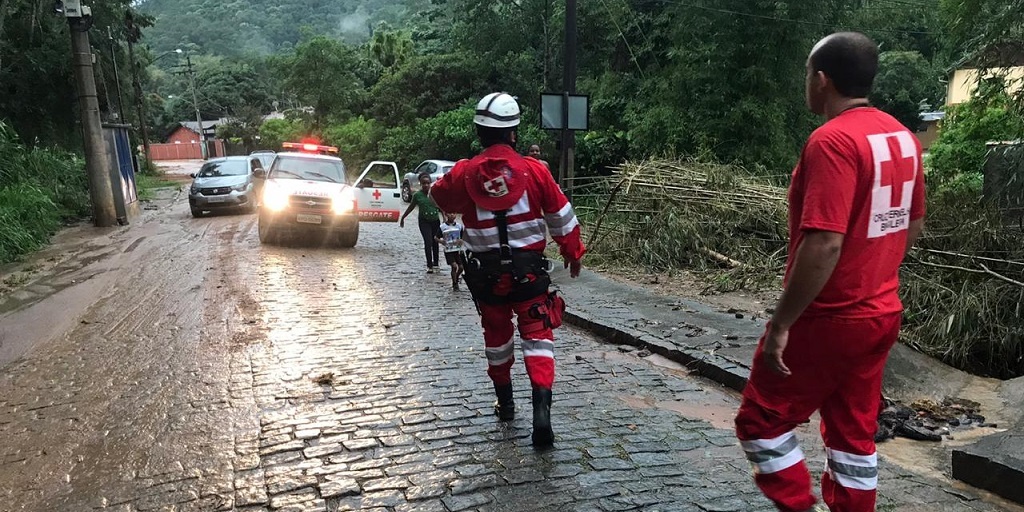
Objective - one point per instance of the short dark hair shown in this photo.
(491, 136)
(422, 175)
(850, 60)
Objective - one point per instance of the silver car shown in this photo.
(436, 169)
(224, 184)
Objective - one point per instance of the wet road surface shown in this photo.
(215, 373)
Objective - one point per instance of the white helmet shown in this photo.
(497, 110)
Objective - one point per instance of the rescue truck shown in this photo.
(308, 192)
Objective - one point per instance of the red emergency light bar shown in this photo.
(310, 148)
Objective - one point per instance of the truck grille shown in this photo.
(310, 203)
(219, 191)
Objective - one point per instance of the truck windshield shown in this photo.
(313, 169)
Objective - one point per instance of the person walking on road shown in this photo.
(534, 153)
(451, 237)
(509, 203)
(429, 221)
(856, 206)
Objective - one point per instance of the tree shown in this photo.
(905, 83)
(390, 48)
(320, 74)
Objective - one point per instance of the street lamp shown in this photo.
(179, 51)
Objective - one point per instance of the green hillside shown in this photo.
(262, 27)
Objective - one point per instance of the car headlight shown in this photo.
(274, 199)
(241, 188)
(194, 189)
(344, 202)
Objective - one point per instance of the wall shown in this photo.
(191, 151)
(965, 81)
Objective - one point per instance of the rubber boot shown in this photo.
(543, 437)
(505, 407)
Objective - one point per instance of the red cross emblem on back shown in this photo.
(496, 187)
(896, 171)
(376, 194)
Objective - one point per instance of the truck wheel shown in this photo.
(349, 239)
(406, 192)
(197, 213)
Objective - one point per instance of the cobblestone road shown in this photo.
(191, 386)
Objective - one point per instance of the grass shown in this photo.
(147, 184)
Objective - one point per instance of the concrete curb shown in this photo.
(716, 368)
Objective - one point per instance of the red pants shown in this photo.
(837, 368)
(538, 339)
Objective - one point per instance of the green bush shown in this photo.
(273, 132)
(357, 140)
(449, 135)
(39, 188)
(957, 158)
(28, 217)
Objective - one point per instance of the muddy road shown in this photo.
(180, 365)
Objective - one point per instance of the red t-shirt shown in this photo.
(860, 174)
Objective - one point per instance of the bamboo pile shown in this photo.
(687, 214)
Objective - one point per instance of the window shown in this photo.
(379, 176)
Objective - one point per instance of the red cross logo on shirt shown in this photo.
(896, 172)
(376, 195)
(496, 187)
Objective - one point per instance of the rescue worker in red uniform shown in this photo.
(856, 206)
(509, 204)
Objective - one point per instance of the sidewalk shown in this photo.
(714, 344)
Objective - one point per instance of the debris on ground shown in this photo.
(926, 420)
(324, 379)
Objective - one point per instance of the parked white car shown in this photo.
(436, 168)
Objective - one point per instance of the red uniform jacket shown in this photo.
(542, 207)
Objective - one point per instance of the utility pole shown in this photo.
(195, 102)
(568, 159)
(117, 77)
(140, 101)
(97, 165)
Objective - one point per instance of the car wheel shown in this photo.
(349, 239)
(406, 192)
(197, 213)
(264, 230)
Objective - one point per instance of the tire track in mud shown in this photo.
(133, 403)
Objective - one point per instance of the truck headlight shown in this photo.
(344, 202)
(241, 188)
(274, 199)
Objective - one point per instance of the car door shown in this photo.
(255, 166)
(378, 195)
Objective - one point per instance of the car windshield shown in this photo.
(445, 169)
(224, 168)
(312, 169)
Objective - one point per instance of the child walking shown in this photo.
(451, 237)
(430, 224)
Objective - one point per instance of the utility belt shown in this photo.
(528, 272)
(529, 278)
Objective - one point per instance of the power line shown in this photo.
(632, 55)
(788, 20)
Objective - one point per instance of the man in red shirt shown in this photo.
(856, 206)
(509, 204)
